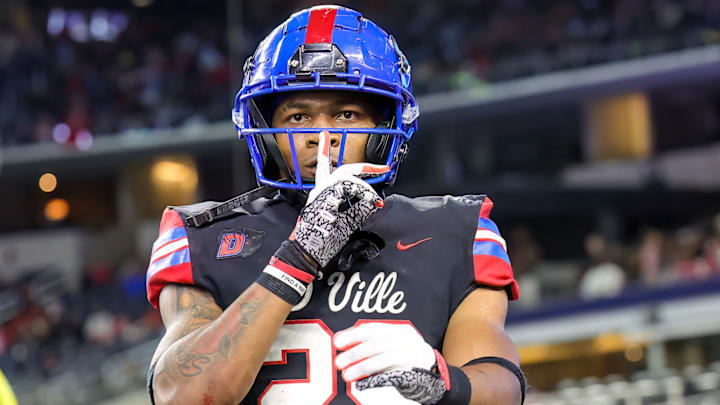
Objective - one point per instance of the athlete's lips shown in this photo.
(313, 163)
(311, 166)
(313, 169)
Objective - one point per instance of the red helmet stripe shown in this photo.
(320, 25)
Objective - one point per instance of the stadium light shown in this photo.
(61, 133)
(57, 209)
(47, 182)
(84, 140)
(168, 172)
(634, 352)
(56, 21)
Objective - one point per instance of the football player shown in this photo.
(317, 288)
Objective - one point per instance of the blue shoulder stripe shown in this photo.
(488, 224)
(169, 235)
(175, 258)
(490, 248)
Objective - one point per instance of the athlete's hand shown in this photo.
(389, 355)
(337, 206)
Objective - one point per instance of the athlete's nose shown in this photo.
(312, 140)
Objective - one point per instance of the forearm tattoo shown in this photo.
(192, 358)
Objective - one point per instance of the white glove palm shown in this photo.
(387, 354)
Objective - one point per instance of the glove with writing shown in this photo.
(392, 355)
(337, 206)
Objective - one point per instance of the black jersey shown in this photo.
(433, 251)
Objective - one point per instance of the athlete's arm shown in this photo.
(213, 357)
(477, 329)
(209, 356)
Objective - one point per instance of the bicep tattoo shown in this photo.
(198, 306)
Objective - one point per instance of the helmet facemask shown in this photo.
(365, 60)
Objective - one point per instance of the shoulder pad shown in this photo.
(439, 201)
(470, 199)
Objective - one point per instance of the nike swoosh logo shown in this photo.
(400, 246)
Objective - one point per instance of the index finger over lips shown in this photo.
(323, 167)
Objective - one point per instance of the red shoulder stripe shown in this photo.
(178, 274)
(495, 272)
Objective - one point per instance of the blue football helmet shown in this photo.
(325, 48)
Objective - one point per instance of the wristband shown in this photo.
(459, 390)
(285, 281)
(279, 288)
(288, 274)
(292, 253)
(286, 278)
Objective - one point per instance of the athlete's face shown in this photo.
(324, 109)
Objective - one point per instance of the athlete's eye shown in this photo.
(348, 115)
(296, 117)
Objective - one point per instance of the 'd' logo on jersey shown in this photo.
(243, 244)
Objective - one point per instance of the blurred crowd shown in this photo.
(66, 87)
(165, 69)
(48, 329)
(459, 44)
(657, 258)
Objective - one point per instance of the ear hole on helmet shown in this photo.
(272, 158)
(269, 166)
(378, 145)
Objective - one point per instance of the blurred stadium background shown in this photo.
(593, 124)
